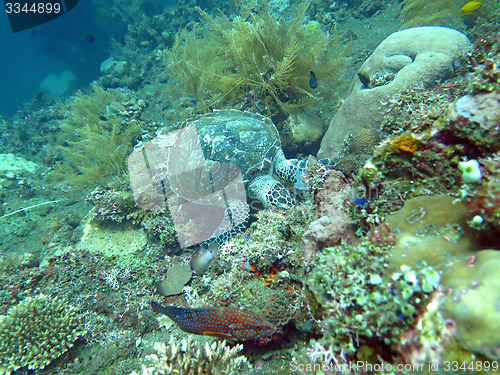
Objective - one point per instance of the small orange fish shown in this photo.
(471, 6)
(223, 322)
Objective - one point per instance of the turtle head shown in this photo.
(291, 169)
(270, 192)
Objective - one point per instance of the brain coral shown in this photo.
(362, 141)
(36, 331)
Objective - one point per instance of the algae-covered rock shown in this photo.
(474, 301)
(177, 276)
(122, 241)
(36, 331)
(12, 166)
(359, 303)
(416, 57)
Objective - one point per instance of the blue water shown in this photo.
(29, 56)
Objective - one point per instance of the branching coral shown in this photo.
(37, 331)
(191, 357)
(225, 59)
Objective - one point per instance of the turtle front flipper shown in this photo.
(235, 221)
(270, 192)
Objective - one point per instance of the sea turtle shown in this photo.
(223, 157)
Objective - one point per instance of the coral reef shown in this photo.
(13, 167)
(261, 271)
(36, 331)
(191, 357)
(432, 135)
(384, 263)
(177, 276)
(475, 117)
(110, 205)
(334, 225)
(359, 305)
(483, 200)
(120, 242)
(431, 60)
(431, 229)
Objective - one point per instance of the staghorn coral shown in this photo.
(190, 357)
(36, 331)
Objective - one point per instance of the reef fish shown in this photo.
(200, 260)
(223, 322)
(313, 81)
(471, 6)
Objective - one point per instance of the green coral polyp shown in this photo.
(407, 293)
(407, 310)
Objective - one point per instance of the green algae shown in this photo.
(97, 137)
(222, 61)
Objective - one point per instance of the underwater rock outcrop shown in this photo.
(334, 226)
(415, 57)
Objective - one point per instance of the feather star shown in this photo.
(223, 322)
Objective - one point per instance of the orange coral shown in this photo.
(406, 143)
